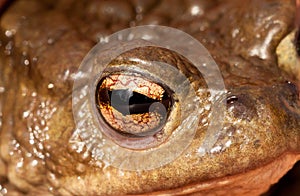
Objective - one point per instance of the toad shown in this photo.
(42, 46)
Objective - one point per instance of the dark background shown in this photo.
(289, 185)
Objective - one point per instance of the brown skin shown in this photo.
(49, 41)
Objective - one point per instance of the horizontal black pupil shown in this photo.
(129, 102)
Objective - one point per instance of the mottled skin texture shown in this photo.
(42, 45)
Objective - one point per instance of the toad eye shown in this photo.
(136, 106)
(133, 106)
(140, 97)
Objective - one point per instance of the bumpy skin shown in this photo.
(42, 45)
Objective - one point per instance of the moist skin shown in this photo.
(42, 45)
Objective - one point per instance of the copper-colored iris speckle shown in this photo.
(135, 124)
(132, 105)
(137, 84)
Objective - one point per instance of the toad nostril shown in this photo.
(293, 90)
(241, 106)
(290, 95)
